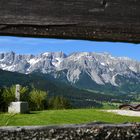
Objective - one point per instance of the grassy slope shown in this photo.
(75, 116)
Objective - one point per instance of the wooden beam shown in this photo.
(104, 20)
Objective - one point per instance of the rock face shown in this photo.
(100, 68)
(71, 132)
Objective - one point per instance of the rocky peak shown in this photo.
(102, 68)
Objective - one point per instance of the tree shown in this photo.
(59, 102)
(38, 98)
(8, 95)
(2, 103)
(24, 92)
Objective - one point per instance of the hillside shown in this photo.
(78, 97)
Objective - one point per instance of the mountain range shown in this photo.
(84, 70)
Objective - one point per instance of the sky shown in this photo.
(24, 45)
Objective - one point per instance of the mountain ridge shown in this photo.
(97, 68)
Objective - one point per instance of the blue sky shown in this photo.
(38, 45)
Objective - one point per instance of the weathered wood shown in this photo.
(111, 20)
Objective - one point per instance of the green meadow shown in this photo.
(70, 116)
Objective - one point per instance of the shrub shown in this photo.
(37, 99)
(59, 102)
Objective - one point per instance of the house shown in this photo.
(130, 107)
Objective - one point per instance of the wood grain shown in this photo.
(104, 20)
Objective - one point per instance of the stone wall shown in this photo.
(92, 131)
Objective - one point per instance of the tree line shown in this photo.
(37, 99)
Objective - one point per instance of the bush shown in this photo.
(8, 95)
(59, 102)
(37, 99)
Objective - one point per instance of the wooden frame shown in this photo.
(104, 20)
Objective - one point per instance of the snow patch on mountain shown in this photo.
(102, 68)
(33, 61)
(57, 62)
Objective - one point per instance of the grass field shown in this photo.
(53, 117)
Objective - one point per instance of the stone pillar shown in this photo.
(17, 93)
